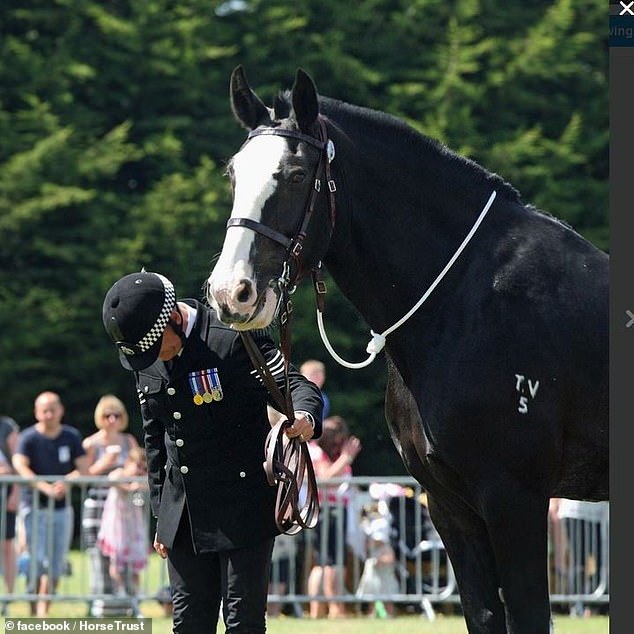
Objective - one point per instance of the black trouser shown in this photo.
(238, 577)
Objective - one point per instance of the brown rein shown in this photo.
(288, 464)
(287, 460)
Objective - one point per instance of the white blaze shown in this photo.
(254, 168)
(231, 285)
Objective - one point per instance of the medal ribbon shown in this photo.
(195, 384)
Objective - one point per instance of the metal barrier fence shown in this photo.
(374, 532)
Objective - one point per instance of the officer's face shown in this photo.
(171, 343)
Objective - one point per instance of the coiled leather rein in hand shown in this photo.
(287, 461)
(287, 465)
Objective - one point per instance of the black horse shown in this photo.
(497, 391)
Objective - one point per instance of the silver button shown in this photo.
(176, 415)
(171, 391)
(180, 442)
(184, 469)
(146, 389)
(243, 474)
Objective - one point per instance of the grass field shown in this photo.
(361, 625)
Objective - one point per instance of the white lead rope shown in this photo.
(376, 344)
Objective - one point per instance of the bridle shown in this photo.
(295, 245)
(287, 461)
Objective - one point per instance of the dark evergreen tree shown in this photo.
(115, 127)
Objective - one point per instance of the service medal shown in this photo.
(205, 386)
(197, 387)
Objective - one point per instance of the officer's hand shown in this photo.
(161, 549)
(301, 428)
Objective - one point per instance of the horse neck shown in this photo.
(399, 221)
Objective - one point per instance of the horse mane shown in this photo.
(456, 168)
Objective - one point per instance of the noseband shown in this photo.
(295, 245)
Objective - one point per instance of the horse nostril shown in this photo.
(245, 291)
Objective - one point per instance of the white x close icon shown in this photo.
(627, 8)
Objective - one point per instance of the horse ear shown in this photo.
(304, 99)
(247, 107)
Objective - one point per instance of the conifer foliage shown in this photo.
(115, 127)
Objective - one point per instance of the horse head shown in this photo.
(280, 225)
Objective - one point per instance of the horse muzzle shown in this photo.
(241, 306)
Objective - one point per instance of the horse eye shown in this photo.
(298, 175)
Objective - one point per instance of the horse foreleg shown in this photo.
(517, 522)
(466, 541)
(463, 533)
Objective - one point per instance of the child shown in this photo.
(123, 535)
(379, 575)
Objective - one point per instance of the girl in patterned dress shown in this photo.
(107, 450)
(379, 570)
(123, 535)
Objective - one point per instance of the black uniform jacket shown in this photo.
(205, 457)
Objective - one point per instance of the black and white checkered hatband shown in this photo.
(157, 329)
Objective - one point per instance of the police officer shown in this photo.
(205, 422)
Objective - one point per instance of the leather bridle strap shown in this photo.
(288, 463)
(287, 460)
(261, 228)
(295, 244)
(292, 134)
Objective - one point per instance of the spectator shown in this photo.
(9, 498)
(107, 449)
(283, 558)
(48, 448)
(379, 570)
(559, 549)
(123, 535)
(586, 529)
(205, 420)
(315, 371)
(332, 456)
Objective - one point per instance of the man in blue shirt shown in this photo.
(48, 448)
(315, 371)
